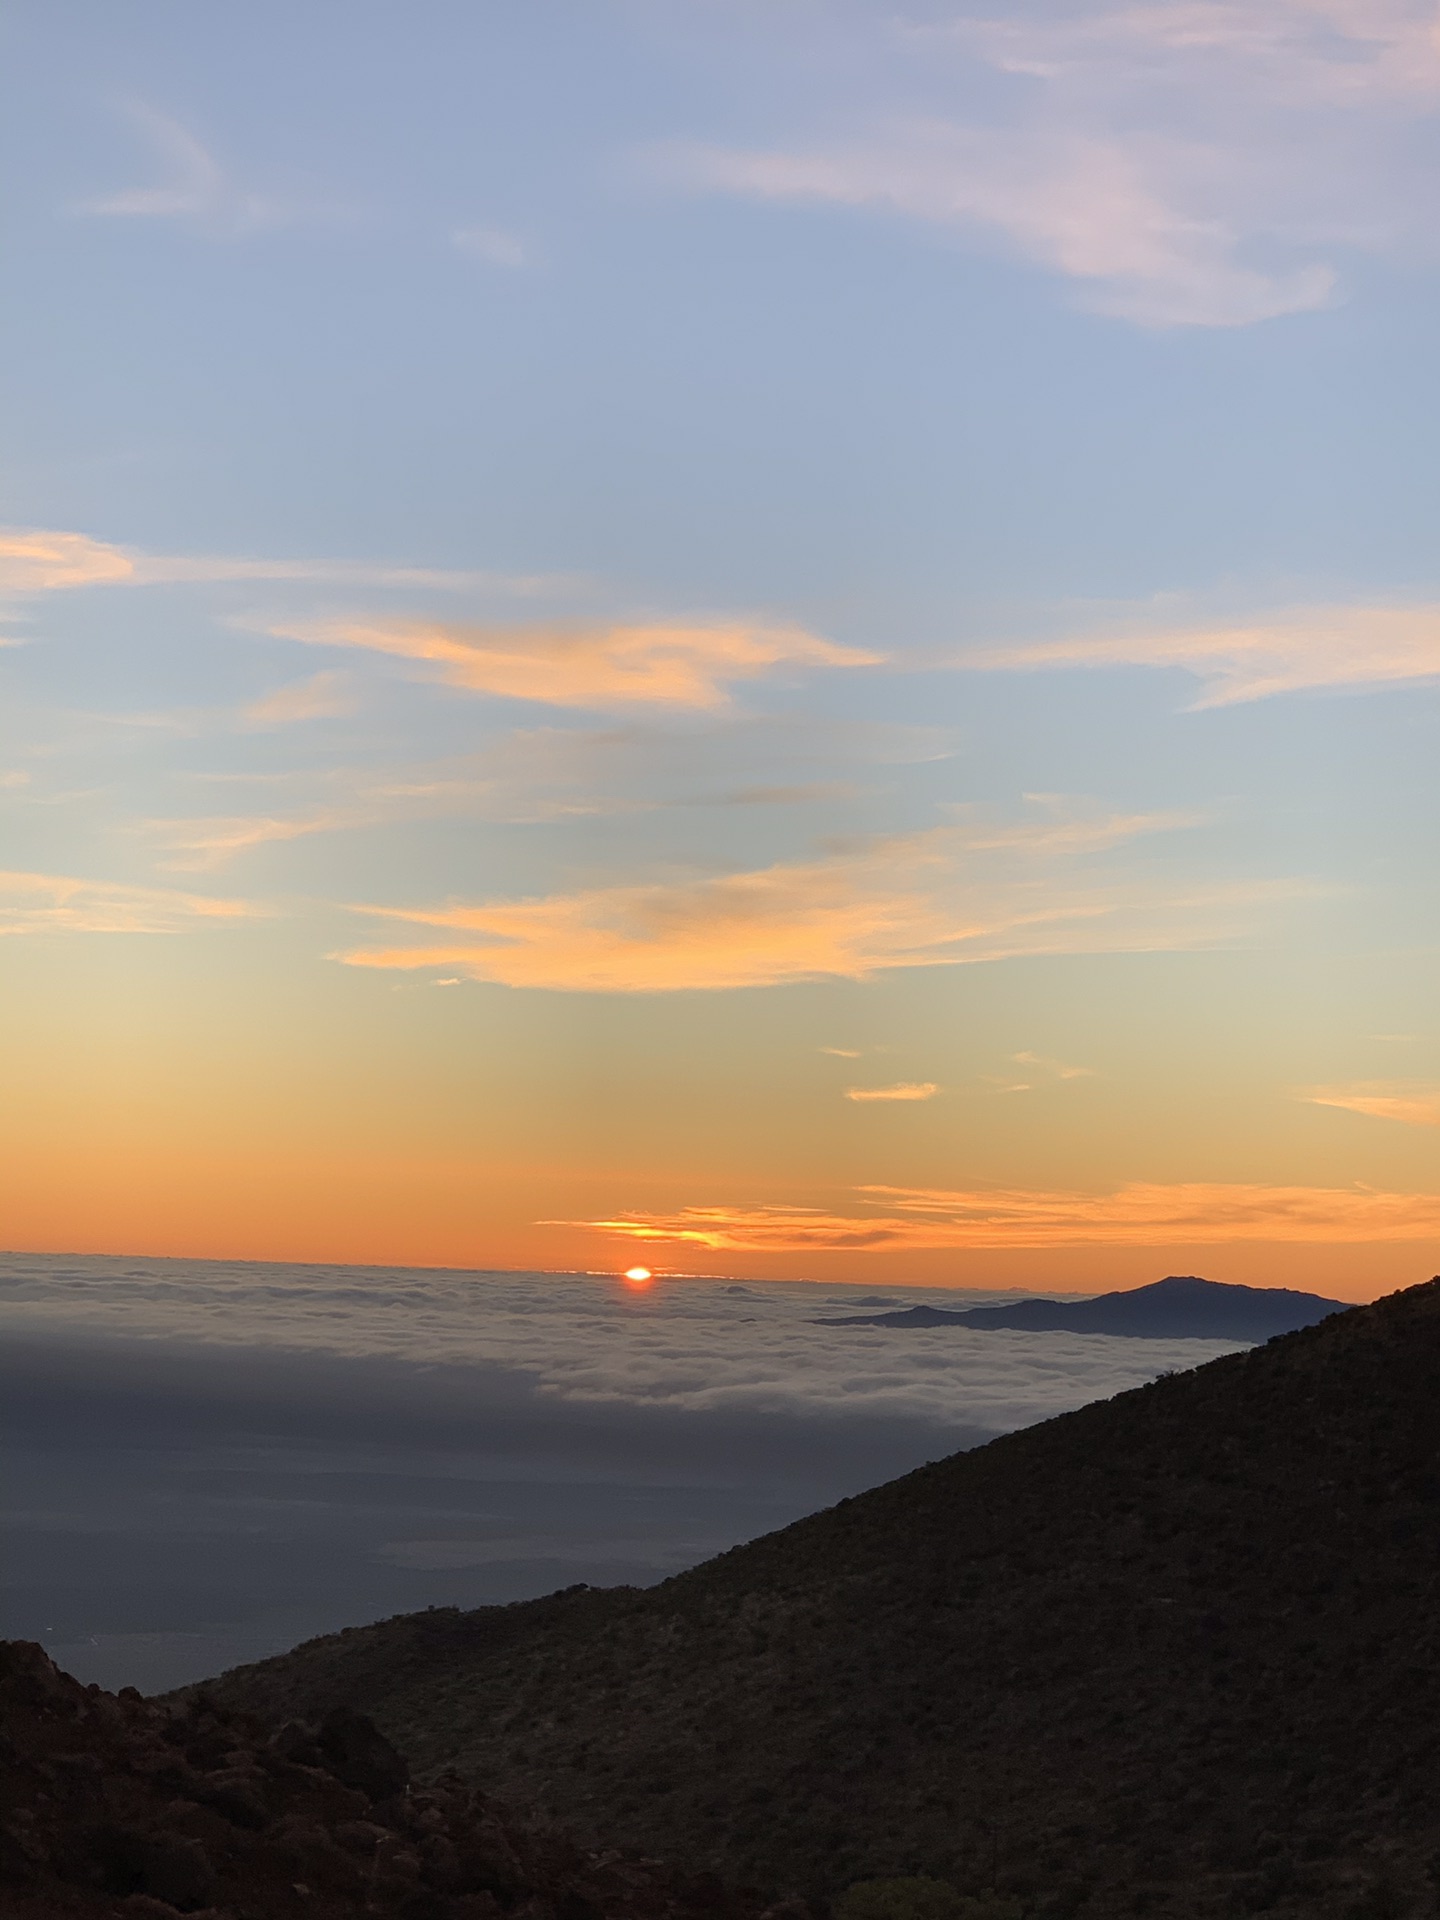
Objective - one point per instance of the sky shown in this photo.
(791, 640)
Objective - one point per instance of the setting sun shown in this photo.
(639, 1276)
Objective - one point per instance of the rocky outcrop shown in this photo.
(113, 1806)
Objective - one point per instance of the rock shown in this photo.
(357, 1753)
(168, 1868)
(91, 1827)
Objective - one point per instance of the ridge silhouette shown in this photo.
(1180, 1307)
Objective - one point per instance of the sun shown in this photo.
(639, 1276)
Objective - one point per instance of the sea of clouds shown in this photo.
(208, 1461)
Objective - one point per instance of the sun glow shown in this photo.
(638, 1276)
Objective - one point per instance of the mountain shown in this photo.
(111, 1806)
(1181, 1307)
(1177, 1653)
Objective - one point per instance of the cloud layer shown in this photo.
(207, 1462)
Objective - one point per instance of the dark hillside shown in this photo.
(1176, 1653)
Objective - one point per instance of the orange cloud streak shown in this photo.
(1310, 647)
(904, 1090)
(32, 561)
(671, 665)
(1415, 1106)
(57, 903)
(1141, 1215)
(937, 898)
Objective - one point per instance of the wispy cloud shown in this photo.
(195, 189)
(1142, 1214)
(35, 560)
(32, 903)
(496, 246)
(1304, 649)
(528, 777)
(206, 844)
(936, 898)
(324, 696)
(1415, 1103)
(590, 666)
(1085, 205)
(1061, 1069)
(902, 1090)
(1198, 164)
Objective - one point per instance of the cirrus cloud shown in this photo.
(665, 664)
(33, 903)
(38, 560)
(940, 897)
(1304, 649)
(1415, 1103)
(1192, 163)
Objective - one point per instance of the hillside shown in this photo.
(1176, 1653)
(112, 1808)
(1180, 1307)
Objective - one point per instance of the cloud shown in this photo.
(1086, 206)
(36, 560)
(206, 844)
(1414, 1103)
(1196, 163)
(936, 898)
(196, 185)
(459, 1361)
(529, 776)
(1059, 1068)
(55, 903)
(197, 190)
(1307, 649)
(1141, 1215)
(668, 665)
(496, 246)
(842, 1053)
(902, 1090)
(324, 696)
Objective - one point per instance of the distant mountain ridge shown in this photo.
(1180, 1307)
(1174, 1654)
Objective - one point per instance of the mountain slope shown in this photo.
(1178, 1652)
(1180, 1307)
